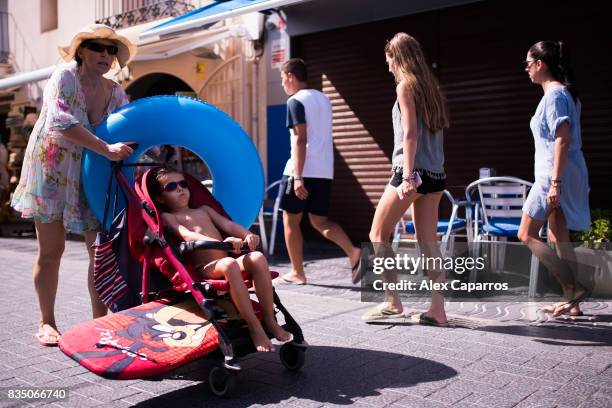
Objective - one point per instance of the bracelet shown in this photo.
(412, 177)
(298, 178)
(555, 181)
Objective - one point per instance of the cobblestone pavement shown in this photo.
(512, 356)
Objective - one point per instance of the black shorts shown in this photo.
(317, 202)
(432, 182)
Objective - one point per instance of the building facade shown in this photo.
(476, 49)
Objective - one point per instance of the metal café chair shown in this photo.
(496, 216)
(269, 209)
(447, 228)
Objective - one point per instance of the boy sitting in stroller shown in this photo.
(169, 189)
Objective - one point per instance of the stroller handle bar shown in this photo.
(187, 246)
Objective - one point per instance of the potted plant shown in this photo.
(594, 255)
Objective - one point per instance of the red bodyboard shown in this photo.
(143, 341)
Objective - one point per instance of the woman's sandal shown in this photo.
(45, 339)
(567, 306)
(550, 309)
(357, 272)
(377, 313)
(430, 321)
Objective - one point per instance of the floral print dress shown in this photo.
(50, 185)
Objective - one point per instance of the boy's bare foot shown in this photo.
(294, 277)
(278, 332)
(261, 341)
(47, 335)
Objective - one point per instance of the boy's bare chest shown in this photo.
(200, 222)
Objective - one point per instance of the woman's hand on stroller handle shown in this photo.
(119, 151)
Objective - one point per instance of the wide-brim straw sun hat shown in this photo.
(126, 52)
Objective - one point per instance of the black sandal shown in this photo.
(357, 272)
(566, 307)
(430, 321)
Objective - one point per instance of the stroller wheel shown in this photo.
(221, 381)
(292, 357)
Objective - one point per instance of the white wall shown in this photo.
(72, 15)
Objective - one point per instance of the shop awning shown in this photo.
(169, 48)
(204, 17)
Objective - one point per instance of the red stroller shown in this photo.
(182, 317)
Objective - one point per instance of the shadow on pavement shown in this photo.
(331, 375)
(583, 331)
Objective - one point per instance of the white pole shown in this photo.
(24, 78)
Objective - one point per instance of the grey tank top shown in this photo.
(430, 146)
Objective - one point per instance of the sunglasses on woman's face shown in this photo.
(173, 185)
(112, 49)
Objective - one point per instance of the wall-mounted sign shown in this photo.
(280, 51)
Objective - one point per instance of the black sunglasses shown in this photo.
(112, 49)
(173, 185)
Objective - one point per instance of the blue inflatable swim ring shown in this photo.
(231, 157)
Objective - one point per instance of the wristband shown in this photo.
(298, 178)
(412, 177)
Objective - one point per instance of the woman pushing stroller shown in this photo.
(169, 190)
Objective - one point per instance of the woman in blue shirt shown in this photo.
(560, 193)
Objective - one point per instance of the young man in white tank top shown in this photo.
(308, 175)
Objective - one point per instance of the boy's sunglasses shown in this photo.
(173, 185)
(112, 49)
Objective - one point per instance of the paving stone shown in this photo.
(500, 400)
(541, 363)
(507, 359)
(413, 401)
(497, 379)
(449, 395)
(579, 368)
(78, 401)
(137, 398)
(49, 366)
(475, 387)
(595, 404)
(384, 397)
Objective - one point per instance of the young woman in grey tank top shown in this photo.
(419, 117)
